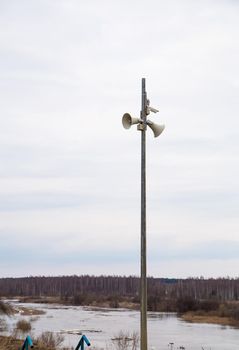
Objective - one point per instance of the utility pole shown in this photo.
(143, 278)
(142, 124)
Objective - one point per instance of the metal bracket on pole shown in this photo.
(141, 127)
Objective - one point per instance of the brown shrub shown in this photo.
(49, 340)
(23, 326)
(5, 308)
(126, 341)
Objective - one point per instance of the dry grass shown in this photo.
(207, 318)
(27, 311)
(126, 341)
(9, 343)
(49, 340)
(5, 308)
(23, 326)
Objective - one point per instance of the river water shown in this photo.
(101, 325)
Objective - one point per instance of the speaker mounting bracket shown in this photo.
(141, 127)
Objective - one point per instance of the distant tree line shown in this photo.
(221, 289)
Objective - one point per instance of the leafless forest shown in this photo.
(221, 289)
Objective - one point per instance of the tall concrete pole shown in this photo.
(142, 123)
(143, 279)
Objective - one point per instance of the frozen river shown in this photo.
(101, 325)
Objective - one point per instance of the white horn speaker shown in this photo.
(157, 129)
(127, 120)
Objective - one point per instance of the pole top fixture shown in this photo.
(142, 122)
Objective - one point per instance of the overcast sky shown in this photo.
(70, 173)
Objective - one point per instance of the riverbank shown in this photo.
(107, 302)
(194, 317)
(102, 325)
(225, 314)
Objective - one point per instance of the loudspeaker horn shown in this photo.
(157, 129)
(127, 120)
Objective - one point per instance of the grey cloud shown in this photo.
(204, 251)
(70, 69)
